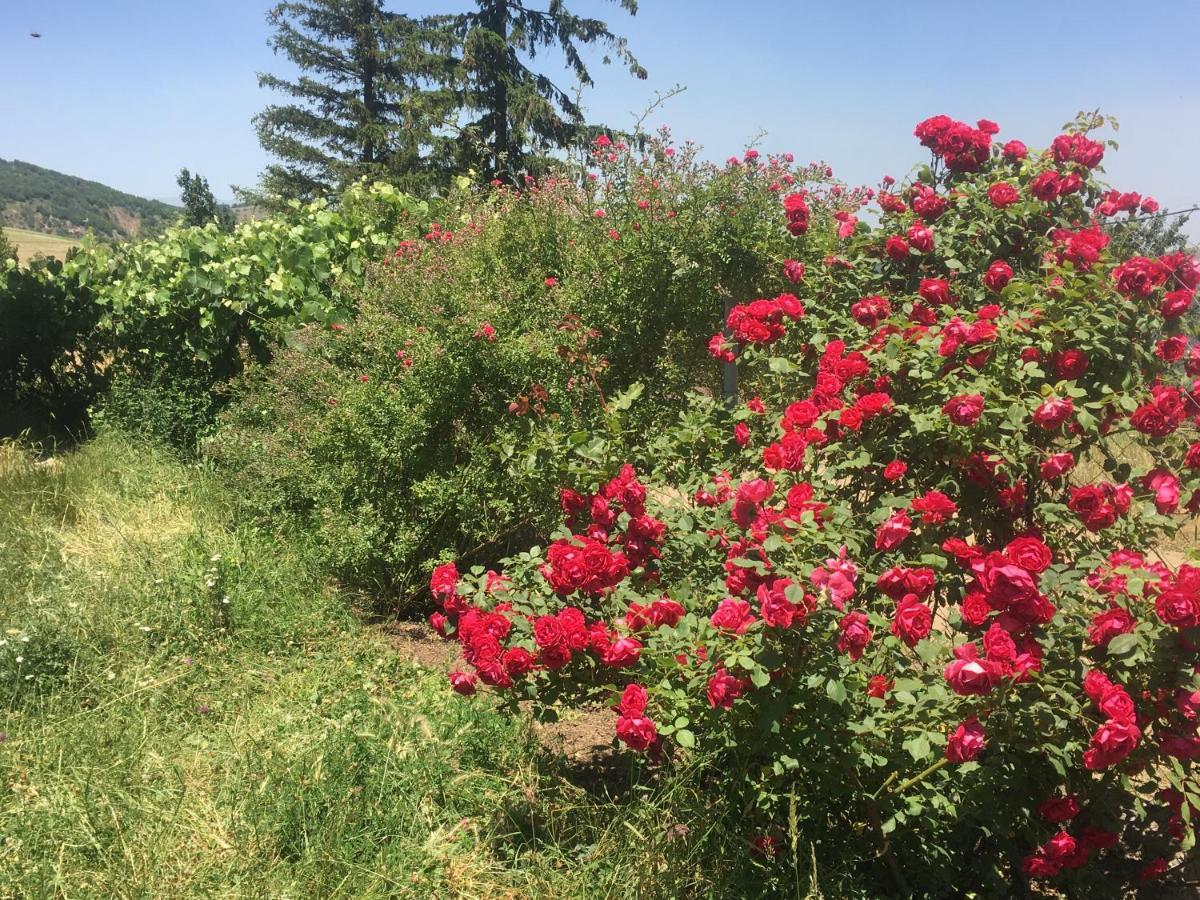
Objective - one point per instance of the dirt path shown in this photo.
(584, 737)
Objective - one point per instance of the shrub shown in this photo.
(889, 601)
(180, 314)
(401, 435)
(52, 353)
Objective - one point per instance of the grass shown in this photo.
(31, 243)
(190, 711)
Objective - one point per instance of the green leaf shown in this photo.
(1122, 644)
(685, 738)
(918, 747)
(835, 691)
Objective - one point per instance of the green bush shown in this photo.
(401, 437)
(182, 313)
(53, 356)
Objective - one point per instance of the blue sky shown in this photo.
(128, 91)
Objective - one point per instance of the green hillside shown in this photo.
(47, 201)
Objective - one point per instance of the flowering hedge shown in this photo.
(919, 588)
(401, 436)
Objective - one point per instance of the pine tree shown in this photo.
(373, 89)
(199, 205)
(523, 112)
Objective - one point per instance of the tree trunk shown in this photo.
(499, 26)
(368, 50)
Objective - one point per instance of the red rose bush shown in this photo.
(913, 594)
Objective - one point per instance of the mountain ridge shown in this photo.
(40, 199)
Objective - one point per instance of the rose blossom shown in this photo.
(997, 276)
(855, 635)
(967, 741)
(965, 409)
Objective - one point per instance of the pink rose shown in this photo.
(967, 741)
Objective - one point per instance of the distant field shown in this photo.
(30, 243)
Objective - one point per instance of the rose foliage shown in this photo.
(913, 594)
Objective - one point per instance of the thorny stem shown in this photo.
(921, 776)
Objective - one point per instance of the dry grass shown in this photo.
(31, 243)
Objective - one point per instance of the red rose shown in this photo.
(920, 238)
(796, 210)
(934, 507)
(1140, 276)
(1166, 489)
(723, 689)
(1030, 553)
(665, 612)
(1014, 150)
(1192, 458)
(1005, 584)
(1176, 303)
(741, 434)
(1057, 465)
(964, 409)
(636, 732)
(1090, 504)
(732, 615)
(548, 631)
(1070, 364)
(975, 608)
(1038, 866)
(999, 647)
(1077, 148)
(896, 248)
(1045, 187)
(895, 470)
(963, 552)
(913, 620)
(1059, 809)
(623, 652)
(1112, 742)
(892, 533)
(855, 635)
(1117, 704)
(463, 683)
(1053, 412)
(870, 311)
(518, 661)
(997, 276)
(1099, 838)
(1171, 349)
(444, 581)
(967, 741)
(1108, 624)
(929, 204)
(1003, 195)
(633, 700)
(968, 675)
(793, 271)
(1153, 870)
(879, 685)
(1095, 683)
(777, 611)
(936, 291)
(1179, 608)
(1059, 848)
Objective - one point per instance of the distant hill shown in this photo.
(47, 201)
